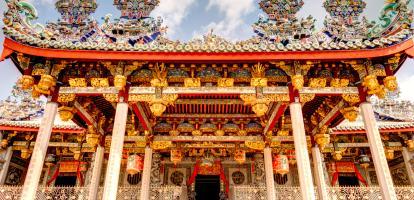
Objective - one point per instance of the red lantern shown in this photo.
(135, 164)
(281, 164)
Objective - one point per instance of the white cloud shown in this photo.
(173, 12)
(406, 80)
(232, 26)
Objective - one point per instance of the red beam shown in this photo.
(392, 130)
(202, 56)
(141, 116)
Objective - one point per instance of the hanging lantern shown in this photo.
(281, 164)
(135, 164)
(176, 156)
(50, 160)
(389, 154)
(337, 155)
(364, 160)
(240, 156)
(25, 153)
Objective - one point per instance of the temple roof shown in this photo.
(280, 30)
(35, 124)
(392, 115)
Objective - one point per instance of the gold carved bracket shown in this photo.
(158, 103)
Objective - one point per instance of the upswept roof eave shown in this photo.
(11, 46)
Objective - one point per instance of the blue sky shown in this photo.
(192, 18)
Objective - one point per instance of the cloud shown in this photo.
(173, 12)
(405, 78)
(232, 26)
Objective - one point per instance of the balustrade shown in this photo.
(81, 193)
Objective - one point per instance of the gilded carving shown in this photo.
(225, 82)
(304, 98)
(111, 97)
(298, 81)
(159, 76)
(192, 82)
(99, 82)
(258, 73)
(351, 98)
(77, 82)
(257, 145)
(390, 82)
(317, 82)
(161, 145)
(26, 82)
(339, 82)
(64, 98)
(350, 113)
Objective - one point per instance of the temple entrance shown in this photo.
(207, 187)
(65, 181)
(348, 180)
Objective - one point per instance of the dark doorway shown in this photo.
(348, 180)
(65, 181)
(207, 187)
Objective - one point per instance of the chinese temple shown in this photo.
(114, 109)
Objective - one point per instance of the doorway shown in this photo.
(65, 181)
(348, 180)
(207, 187)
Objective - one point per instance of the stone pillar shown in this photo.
(5, 167)
(39, 152)
(146, 174)
(96, 173)
(407, 157)
(270, 182)
(301, 151)
(378, 154)
(319, 173)
(115, 153)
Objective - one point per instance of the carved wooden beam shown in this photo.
(209, 101)
(330, 116)
(277, 113)
(54, 144)
(208, 138)
(207, 90)
(357, 145)
(87, 117)
(219, 116)
(143, 119)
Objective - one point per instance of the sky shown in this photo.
(187, 19)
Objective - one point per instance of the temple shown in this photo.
(114, 109)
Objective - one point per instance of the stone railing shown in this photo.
(81, 193)
(334, 193)
(368, 193)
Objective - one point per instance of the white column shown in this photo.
(146, 174)
(115, 153)
(96, 173)
(270, 183)
(407, 157)
(319, 173)
(7, 158)
(39, 152)
(301, 151)
(378, 154)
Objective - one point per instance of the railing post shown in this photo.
(301, 150)
(115, 153)
(270, 183)
(146, 174)
(377, 151)
(96, 173)
(407, 157)
(319, 173)
(34, 171)
(5, 167)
